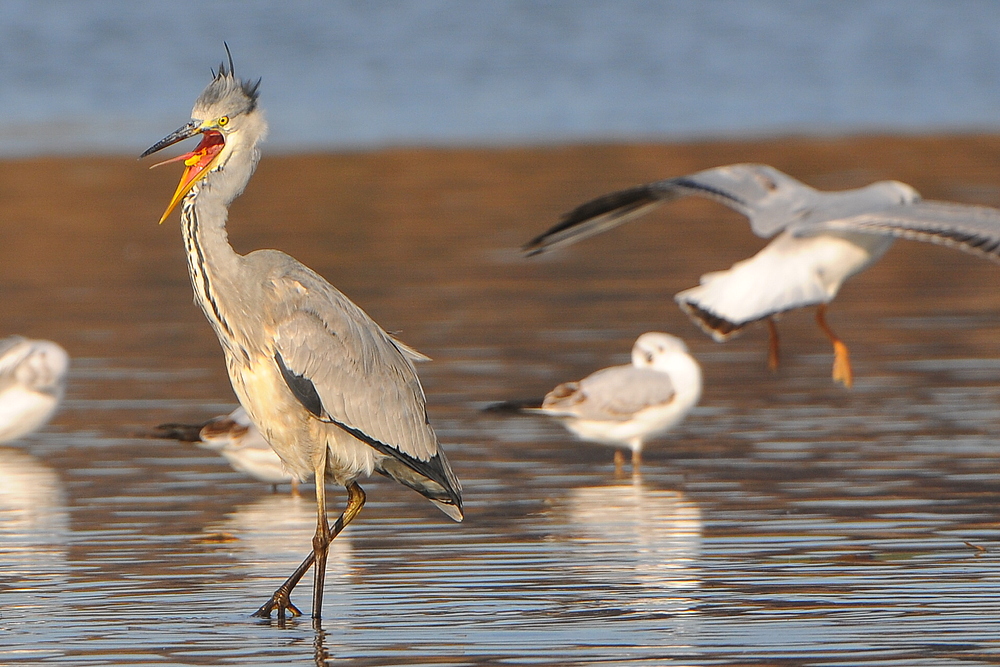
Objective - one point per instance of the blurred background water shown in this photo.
(109, 76)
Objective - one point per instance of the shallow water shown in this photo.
(788, 521)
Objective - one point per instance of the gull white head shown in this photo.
(230, 124)
(668, 354)
(653, 348)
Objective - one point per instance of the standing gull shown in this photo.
(624, 406)
(821, 240)
(32, 383)
(334, 394)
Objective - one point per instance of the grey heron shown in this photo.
(32, 384)
(624, 406)
(336, 396)
(822, 239)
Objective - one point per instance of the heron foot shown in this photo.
(282, 601)
(842, 371)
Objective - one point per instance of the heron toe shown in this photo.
(282, 601)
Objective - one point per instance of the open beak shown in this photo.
(197, 163)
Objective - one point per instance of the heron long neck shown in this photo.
(214, 266)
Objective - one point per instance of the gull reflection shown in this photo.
(643, 540)
(34, 522)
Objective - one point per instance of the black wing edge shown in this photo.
(302, 388)
(987, 247)
(435, 469)
(180, 432)
(514, 406)
(616, 206)
(719, 328)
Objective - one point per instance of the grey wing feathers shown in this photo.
(611, 394)
(765, 195)
(974, 229)
(362, 380)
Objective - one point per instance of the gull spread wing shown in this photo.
(974, 229)
(769, 198)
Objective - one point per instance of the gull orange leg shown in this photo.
(773, 350)
(619, 462)
(841, 357)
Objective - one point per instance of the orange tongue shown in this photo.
(196, 162)
(210, 145)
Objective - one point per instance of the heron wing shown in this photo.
(974, 229)
(769, 198)
(347, 371)
(611, 394)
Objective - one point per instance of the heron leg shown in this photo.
(619, 462)
(773, 349)
(355, 501)
(321, 540)
(841, 357)
(281, 600)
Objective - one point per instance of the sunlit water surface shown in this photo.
(788, 521)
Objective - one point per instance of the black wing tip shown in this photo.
(619, 203)
(714, 325)
(180, 432)
(435, 468)
(513, 407)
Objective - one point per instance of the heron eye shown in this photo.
(223, 121)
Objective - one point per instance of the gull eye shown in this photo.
(649, 357)
(222, 122)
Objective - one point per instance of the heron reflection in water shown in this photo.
(335, 395)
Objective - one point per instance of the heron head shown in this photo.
(228, 120)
